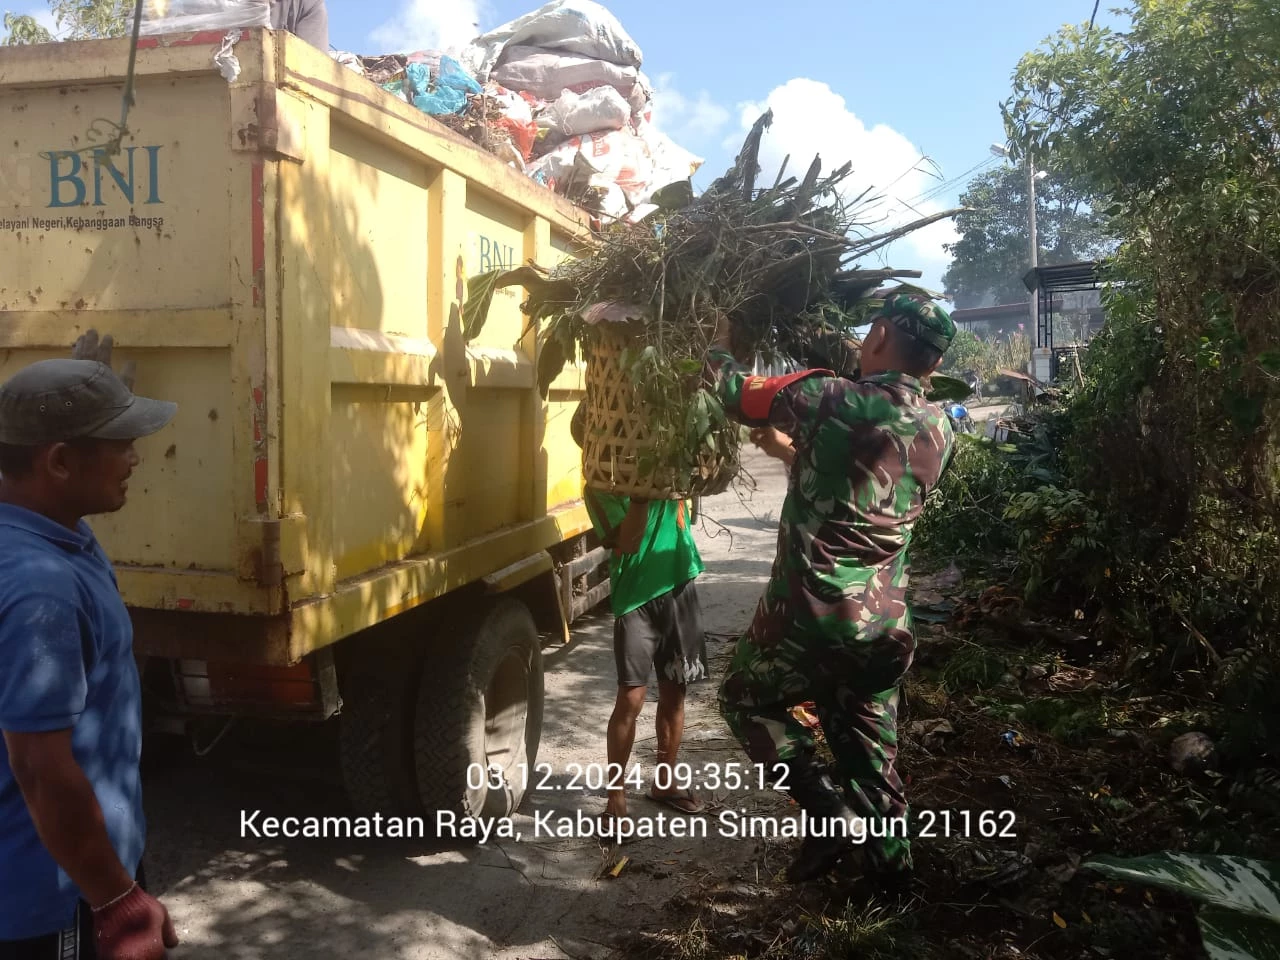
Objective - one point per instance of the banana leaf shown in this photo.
(545, 295)
(1240, 919)
(948, 389)
(551, 361)
(1234, 936)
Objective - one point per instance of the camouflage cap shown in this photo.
(920, 318)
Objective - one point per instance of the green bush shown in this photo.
(1173, 439)
(964, 517)
(1062, 543)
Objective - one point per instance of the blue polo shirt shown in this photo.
(66, 661)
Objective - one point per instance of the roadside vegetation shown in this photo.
(1097, 606)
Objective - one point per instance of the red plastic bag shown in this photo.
(522, 134)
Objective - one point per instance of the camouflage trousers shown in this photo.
(853, 681)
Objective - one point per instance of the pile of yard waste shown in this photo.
(776, 268)
(559, 95)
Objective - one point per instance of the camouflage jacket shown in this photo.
(868, 452)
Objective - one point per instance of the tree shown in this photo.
(1175, 432)
(991, 256)
(75, 19)
(1175, 124)
(23, 29)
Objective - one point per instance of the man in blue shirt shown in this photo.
(71, 824)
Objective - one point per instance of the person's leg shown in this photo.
(860, 722)
(784, 661)
(763, 681)
(670, 729)
(620, 739)
(634, 643)
(862, 733)
(756, 697)
(681, 659)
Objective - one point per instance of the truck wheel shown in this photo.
(375, 740)
(479, 715)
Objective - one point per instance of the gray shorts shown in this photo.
(665, 635)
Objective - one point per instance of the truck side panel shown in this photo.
(147, 245)
(287, 255)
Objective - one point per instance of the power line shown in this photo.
(938, 191)
(943, 187)
(915, 165)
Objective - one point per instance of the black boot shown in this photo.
(818, 796)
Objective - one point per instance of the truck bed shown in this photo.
(286, 256)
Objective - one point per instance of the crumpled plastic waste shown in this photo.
(198, 16)
(443, 91)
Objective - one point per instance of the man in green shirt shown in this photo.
(657, 625)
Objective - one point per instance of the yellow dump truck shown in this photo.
(357, 513)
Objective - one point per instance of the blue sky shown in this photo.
(884, 85)
(880, 84)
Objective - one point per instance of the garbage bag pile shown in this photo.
(193, 16)
(559, 94)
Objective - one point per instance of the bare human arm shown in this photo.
(631, 530)
(129, 923)
(66, 814)
(775, 443)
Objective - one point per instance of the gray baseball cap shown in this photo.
(53, 401)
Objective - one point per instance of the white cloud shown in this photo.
(697, 120)
(809, 118)
(430, 25)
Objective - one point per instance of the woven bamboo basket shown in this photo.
(617, 436)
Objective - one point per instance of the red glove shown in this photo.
(135, 926)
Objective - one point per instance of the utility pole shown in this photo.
(1000, 150)
(1035, 254)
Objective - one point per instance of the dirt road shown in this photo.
(235, 896)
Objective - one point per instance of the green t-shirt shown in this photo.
(667, 556)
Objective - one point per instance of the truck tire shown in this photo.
(375, 738)
(480, 703)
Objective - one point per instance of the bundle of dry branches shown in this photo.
(780, 263)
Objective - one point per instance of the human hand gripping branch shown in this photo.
(775, 443)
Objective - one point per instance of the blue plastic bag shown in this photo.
(446, 92)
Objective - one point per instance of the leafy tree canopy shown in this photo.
(74, 19)
(992, 254)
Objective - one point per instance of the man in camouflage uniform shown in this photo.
(833, 627)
